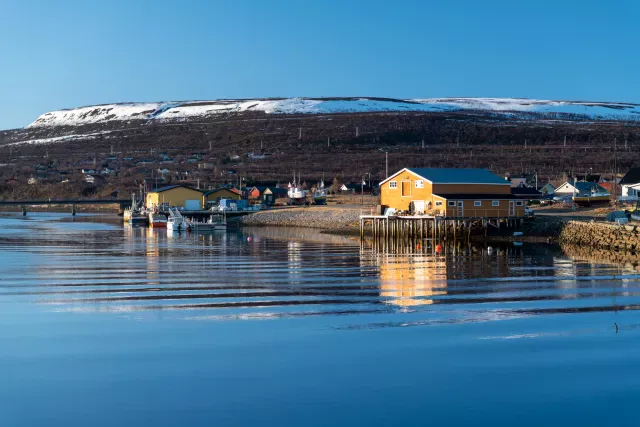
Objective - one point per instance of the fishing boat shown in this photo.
(219, 223)
(320, 195)
(157, 220)
(134, 214)
(297, 196)
(176, 221)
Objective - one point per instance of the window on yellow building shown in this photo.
(393, 184)
(419, 183)
(438, 203)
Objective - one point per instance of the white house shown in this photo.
(630, 184)
(580, 189)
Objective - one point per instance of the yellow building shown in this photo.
(214, 196)
(452, 192)
(175, 196)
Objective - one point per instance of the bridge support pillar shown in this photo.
(24, 210)
(73, 210)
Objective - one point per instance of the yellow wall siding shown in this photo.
(173, 197)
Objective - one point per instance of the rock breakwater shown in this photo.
(601, 235)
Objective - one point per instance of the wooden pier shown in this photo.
(392, 233)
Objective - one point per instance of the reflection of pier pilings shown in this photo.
(422, 233)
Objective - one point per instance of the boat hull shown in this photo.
(588, 201)
(320, 200)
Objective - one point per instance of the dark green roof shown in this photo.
(456, 176)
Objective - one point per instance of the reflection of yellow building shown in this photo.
(410, 281)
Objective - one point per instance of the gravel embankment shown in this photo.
(325, 218)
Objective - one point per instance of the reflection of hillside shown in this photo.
(630, 261)
(410, 281)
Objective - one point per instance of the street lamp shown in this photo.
(386, 162)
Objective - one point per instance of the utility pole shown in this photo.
(386, 162)
(210, 145)
(328, 140)
(357, 133)
(565, 140)
(423, 144)
(300, 133)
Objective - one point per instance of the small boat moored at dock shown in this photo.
(176, 221)
(157, 220)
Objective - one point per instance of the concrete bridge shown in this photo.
(123, 203)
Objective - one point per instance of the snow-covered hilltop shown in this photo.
(194, 109)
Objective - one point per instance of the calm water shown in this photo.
(105, 325)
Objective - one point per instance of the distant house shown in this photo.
(32, 181)
(630, 184)
(579, 189)
(88, 171)
(611, 187)
(214, 196)
(548, 189)
(253, 192)
(231, 171)
(205, 165)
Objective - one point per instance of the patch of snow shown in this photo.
(194, 109)
(56, 139)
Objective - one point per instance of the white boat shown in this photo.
(176, 221)
(297, 196)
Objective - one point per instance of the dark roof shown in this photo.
(171, 187)
(583, 186)
(233, 190)
(476, 196)
(458, 176)
(632, 176)
(525, 191)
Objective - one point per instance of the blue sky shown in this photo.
(71, 53)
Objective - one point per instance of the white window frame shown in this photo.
(451, 203)
(438, 203)
(477, 203)
(393, 184)
(519, 203)
(419, 183)
(495, 203)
